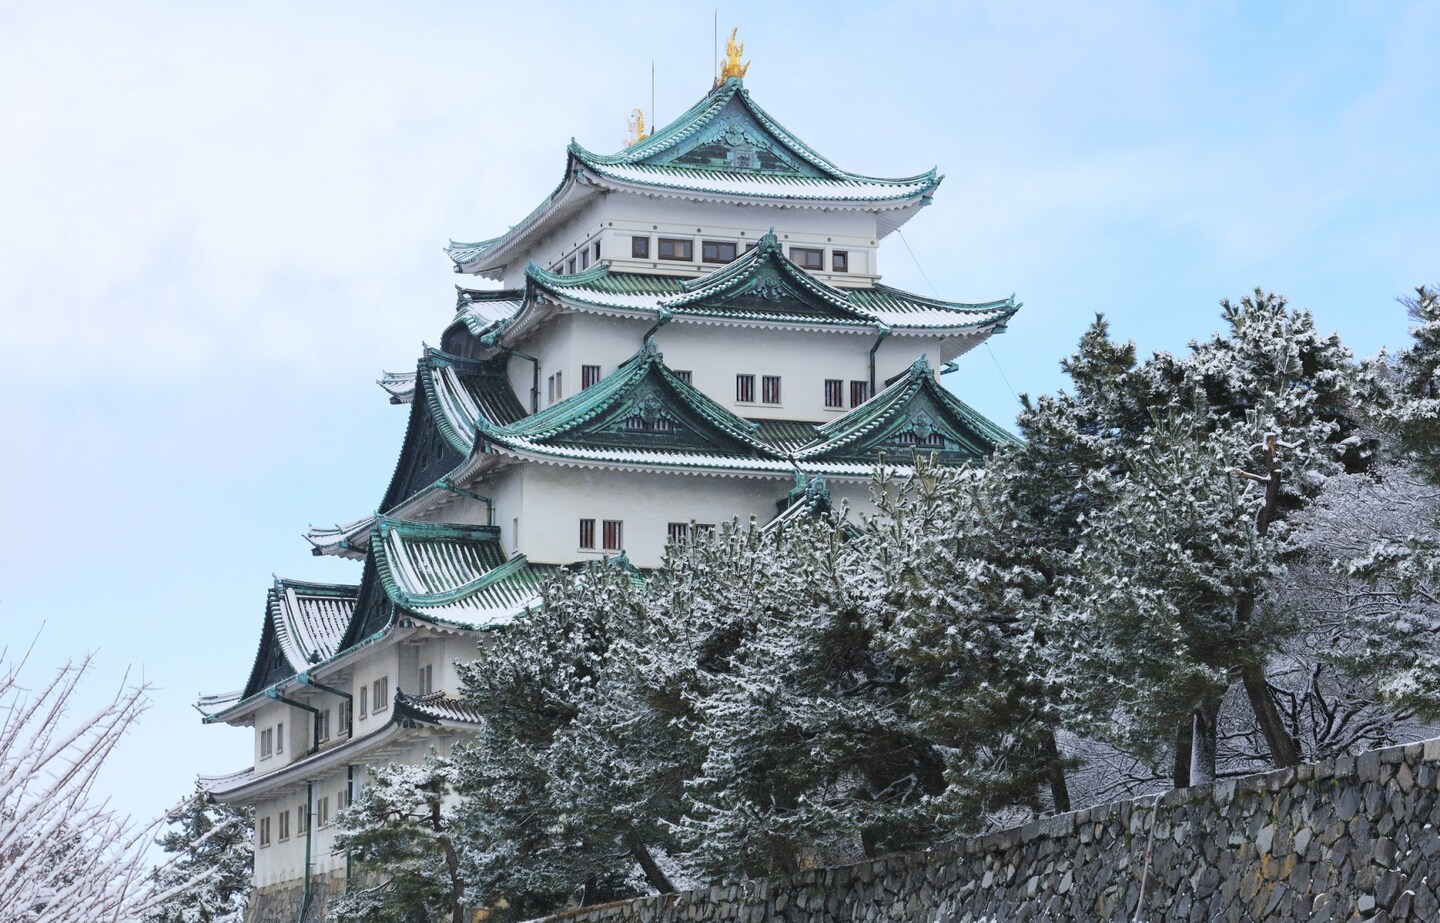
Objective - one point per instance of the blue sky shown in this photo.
(219, 222)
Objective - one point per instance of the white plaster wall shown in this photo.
(613, 218)
(558, 498)
(383, 661)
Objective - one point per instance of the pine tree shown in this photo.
(520, 842)
(401, 827)
(207, 878)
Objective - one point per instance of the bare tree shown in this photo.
(64, 856)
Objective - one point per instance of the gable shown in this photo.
(652, 416)
(734, 141)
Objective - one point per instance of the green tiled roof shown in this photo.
(764, 287)
(304, 623)
(724, 147)
(641, 409)
(444, 573)
(915, 414)
(785, 435)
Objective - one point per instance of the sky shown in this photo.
(220, 222)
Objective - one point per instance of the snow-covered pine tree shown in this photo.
(1271, 380)
(1392, 621)
(805, 760)
(956, 608)
(400, 827)
(519, 840)
(206, 878)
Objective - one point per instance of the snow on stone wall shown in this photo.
(1353, 838)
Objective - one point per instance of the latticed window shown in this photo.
(380, 694)
(364, 701)
(302, 820)
(745, 389)
(678, 532)
(322, 726)
(284, 825)
(262, 832)
(587, 533)
(770, 389)
(427, 679)
(684, 375)
(859, 393)
(613, 534)
(834, 393)
(589, 375)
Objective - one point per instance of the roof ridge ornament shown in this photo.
(636, 125)
(732, 66)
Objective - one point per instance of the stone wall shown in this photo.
(282, 903)
(1350, 839)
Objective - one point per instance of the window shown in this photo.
(302, 820)
(770, 389)
(613, 534)
(589, 375)
(749, 247)
(640, 248)
(859, 393)
(267, 743)
(584, 259)
(674, 248)
(678, 532)
(717, 251)
(322, 811)
(380, 694)
(745, 389)
(684, 375)
(570, 266)
(559, 385)
(587, 533)
(427, 679)
(840, 260)
(263, 831)
(364, 701)
(343, 799)
(597, 251)
(280, 737)
(342, 717)
(550, 386)
(514, 543)
(322, 726)
(284, 818)
(834, 393)
(807, 257)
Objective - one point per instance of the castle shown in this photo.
(689, 331)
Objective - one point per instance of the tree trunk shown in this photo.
(1055, 771)
(591, 894)
(1183, 741)
(1203, 743)
(648, 865)
(1283, 751)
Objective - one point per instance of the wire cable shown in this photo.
(936, 293)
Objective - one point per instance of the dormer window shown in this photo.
(808, 258)
(677, 248)
(717, 251)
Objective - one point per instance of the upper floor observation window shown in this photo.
(834, 394)
(745, 389)
(589, 375)
(770, 389)
(677, 248)
(808, 257)
(717, 251)
(840, 261)
(640, 248)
